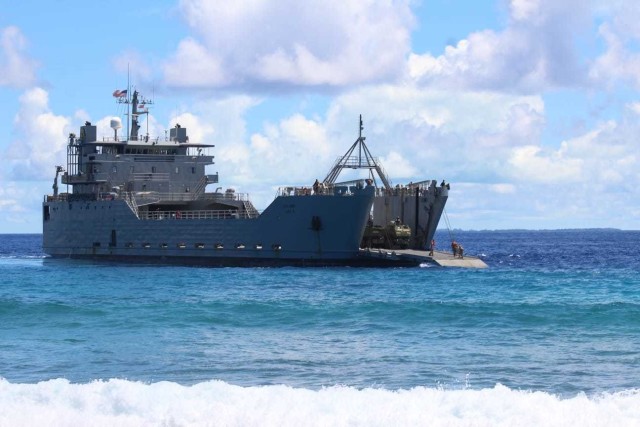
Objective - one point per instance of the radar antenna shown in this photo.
(363, 160)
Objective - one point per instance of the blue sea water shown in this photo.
(549, 334)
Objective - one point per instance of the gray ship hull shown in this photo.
(293, 230)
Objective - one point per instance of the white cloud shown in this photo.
(199, 133)
(41, 138)
(417, 134)
(618, 63)
(194, 66)
(294, 150)
(503, 188)
(524, 10)
(532, 163)
(320, 43)
(534, 52)
(16, 68)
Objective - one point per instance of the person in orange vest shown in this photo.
(432, 247)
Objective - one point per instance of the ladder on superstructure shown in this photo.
(363, 160)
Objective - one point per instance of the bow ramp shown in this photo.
(415, 257)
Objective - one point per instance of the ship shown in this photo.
(140, 198)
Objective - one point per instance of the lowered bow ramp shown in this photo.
(411, 257)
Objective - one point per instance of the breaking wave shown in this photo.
(128, 403)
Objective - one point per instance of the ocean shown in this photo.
(549, 334)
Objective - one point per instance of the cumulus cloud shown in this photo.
(295, 149)
(534, 52)
(41, 138)
(289, 43)
(417, 134)
(16, 68)
(618, 62)
(199, 133)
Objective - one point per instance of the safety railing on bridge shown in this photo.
(194, 214)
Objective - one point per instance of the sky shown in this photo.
(530, 109)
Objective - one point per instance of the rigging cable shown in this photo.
(446, 220)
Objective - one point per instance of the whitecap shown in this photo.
(129, 403)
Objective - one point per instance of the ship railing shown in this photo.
(319, 190)
(195, 214)
(63, 197)
(145, 138)
(240, 197)
(190, 196)
(422, 188)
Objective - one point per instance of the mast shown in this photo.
(135, 126)
(348, 161)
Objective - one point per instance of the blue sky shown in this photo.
(530, 108)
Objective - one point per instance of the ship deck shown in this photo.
(409, 256)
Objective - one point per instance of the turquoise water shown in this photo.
(556, 314)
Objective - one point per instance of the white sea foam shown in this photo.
(128, 403)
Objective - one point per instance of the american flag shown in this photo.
(119, 93)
